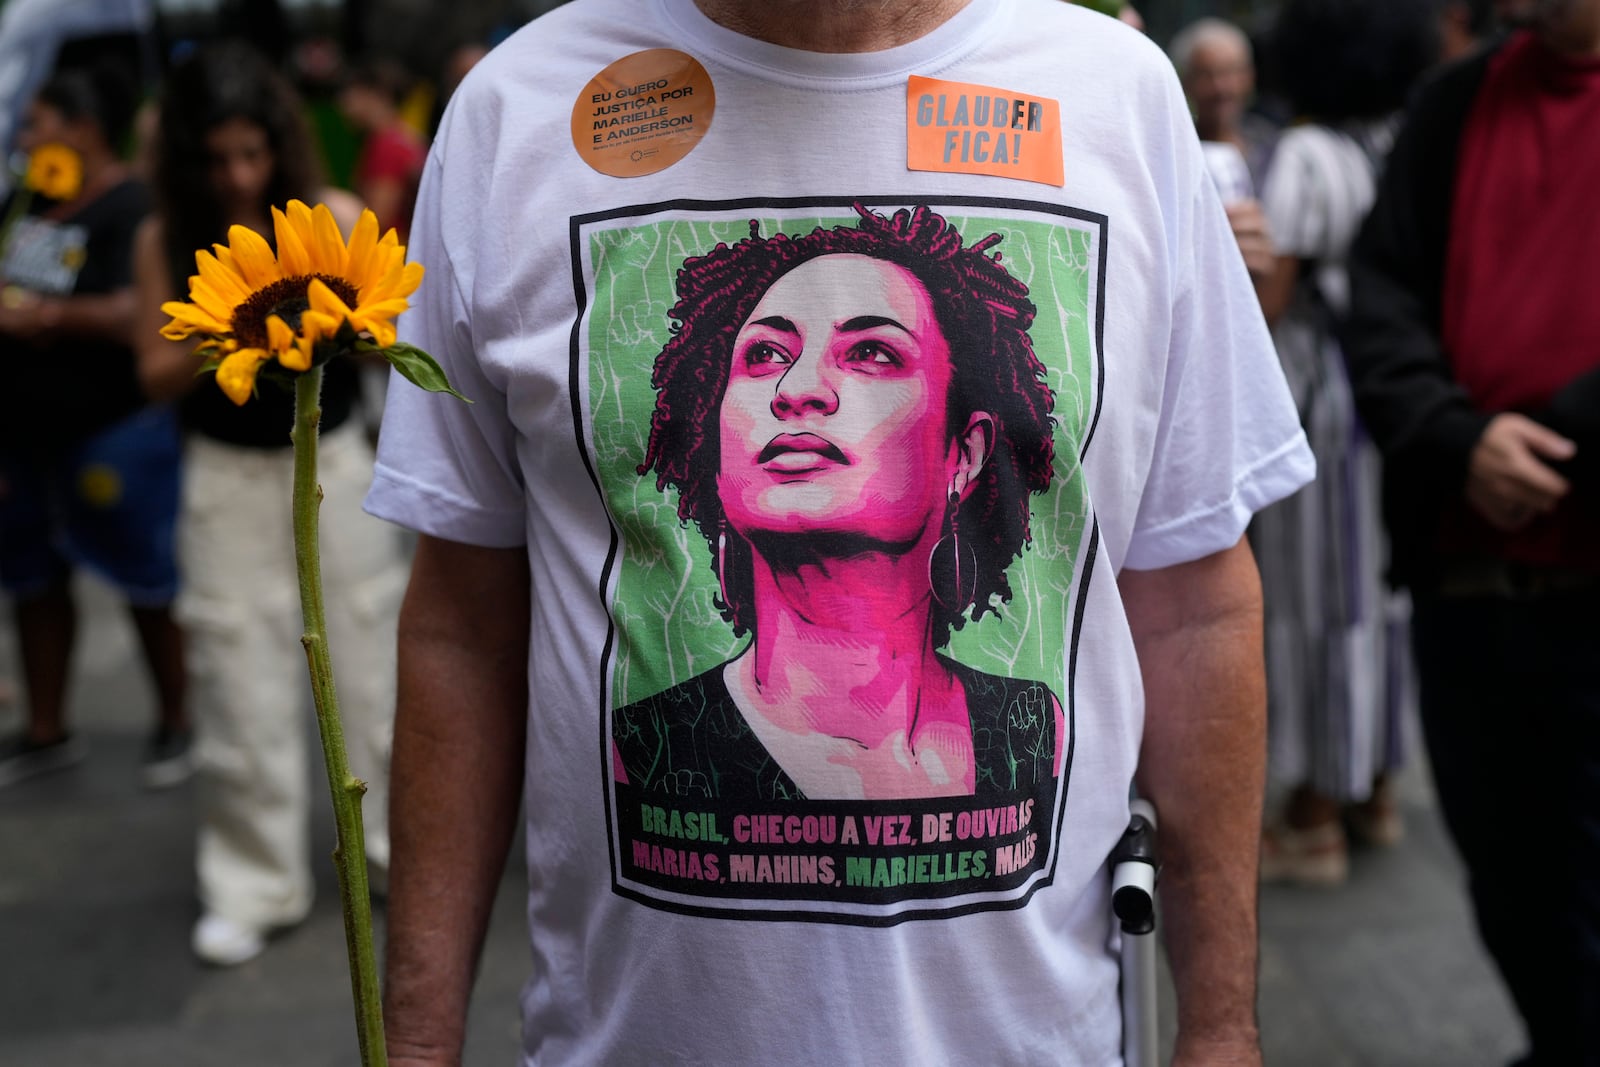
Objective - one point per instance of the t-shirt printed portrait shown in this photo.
(839, 443)
(45, 256)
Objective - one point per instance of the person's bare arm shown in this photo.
(385, 196)
(1197, 629)
(1276, 288)
(454, 787)
(166, 368)
(344, 206)
(96, 316)
(1249, 225)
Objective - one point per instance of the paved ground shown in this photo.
(96, 904)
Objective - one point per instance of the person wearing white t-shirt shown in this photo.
(742, 848)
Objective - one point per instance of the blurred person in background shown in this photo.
(1474, 347)
(1217, 68)
(457, 62)
(1214, 64)
(387, 172)
(88, 474)
(1338, 670)
(1463, 27)
(389, 165)
(231, 143)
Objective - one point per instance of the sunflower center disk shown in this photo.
(285, 298)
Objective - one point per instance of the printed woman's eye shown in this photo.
(765, 353)
(874, 353)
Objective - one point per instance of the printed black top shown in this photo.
(692, 741)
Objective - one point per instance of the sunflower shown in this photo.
(254, 306)
(54, 171)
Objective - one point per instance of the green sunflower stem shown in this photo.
(350, 853)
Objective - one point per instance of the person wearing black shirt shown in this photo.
(88, 473)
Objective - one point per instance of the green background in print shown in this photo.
(667, 582)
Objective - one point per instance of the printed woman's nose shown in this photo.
(804, 389)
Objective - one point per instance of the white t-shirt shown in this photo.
(704, 887)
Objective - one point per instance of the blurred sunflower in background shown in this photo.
(51, 170)
(54, 171)
(298, 307)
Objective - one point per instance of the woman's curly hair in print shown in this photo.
(984, 314)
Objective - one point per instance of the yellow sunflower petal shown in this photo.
(401, 281)
(210, 303)
(386, 283)
(205, 297)
(293, 258)
(292, 350)
(363, 242)
(379, 310)
(382, 330)
(279, 336)
(253, 257)
(385, 257)
(325, 300)
(322, 239)
(188, 319)
(379, 321)
(297, 357)
(224, 255)
(236, 376)
(221, 277)
(299, 217)
(410, 278)
(316, 327)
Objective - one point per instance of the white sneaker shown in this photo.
(224, 942)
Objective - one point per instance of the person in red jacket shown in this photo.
(1474, 349)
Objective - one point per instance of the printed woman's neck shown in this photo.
(844, 647)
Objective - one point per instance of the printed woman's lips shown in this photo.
(800, 451)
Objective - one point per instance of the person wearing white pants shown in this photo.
(233, 144)
(247, 667)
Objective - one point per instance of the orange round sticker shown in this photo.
(643, 113)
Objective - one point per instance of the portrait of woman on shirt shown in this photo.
(855, 420)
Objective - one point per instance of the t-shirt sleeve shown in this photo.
(1228, 441)
(446, 468)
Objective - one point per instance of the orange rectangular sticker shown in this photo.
(960, 128)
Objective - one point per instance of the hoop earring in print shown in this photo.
(722, 562)
(953, 566)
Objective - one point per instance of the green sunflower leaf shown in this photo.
(212, 356)
(418, 368)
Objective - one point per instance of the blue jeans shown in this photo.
(109, 503)
(1510, 695)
